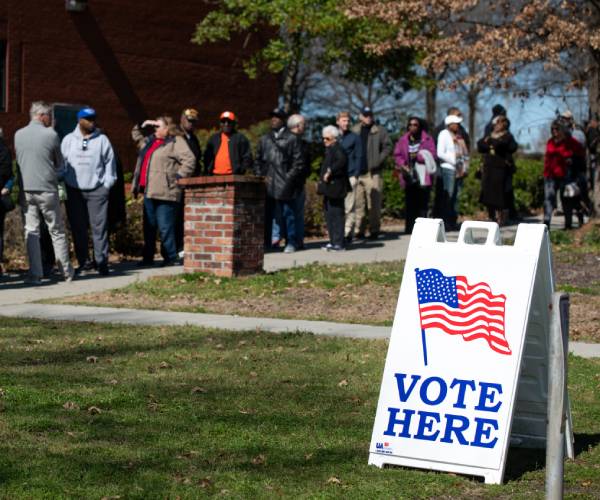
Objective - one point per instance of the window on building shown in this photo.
(65, 118)
(3, 75)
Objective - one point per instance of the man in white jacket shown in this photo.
(453, 155)
(90, 173)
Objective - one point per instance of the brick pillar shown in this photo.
(224, 224)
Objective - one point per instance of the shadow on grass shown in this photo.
(523, 460)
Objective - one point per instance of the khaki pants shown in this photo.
(40, 204)
(369, 191)
(349, 209)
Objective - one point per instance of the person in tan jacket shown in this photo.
(164, 157)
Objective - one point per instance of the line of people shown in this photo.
(350, 177)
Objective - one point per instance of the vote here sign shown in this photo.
(452, 368)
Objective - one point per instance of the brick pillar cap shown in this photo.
(189, 182)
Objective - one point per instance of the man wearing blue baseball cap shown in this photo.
(90, 173)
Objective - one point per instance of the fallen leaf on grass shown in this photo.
(198, 390)
(92, 359)
(219, 346)
(70, 405)
(247, 411)
(2, 393)
(113, 497)
(253, 374)
(308, 456)
(343, 383)
(94, 410)
(334, 480)
(114, 381)
(586, 484)
(205, 483)
(258, 460)
(164, 365)
(242, 342)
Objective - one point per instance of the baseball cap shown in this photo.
(567, 114)
(279, 113)
(452, 119)
(86, 113)
(228, 115)
(191, 114)
(366, 111)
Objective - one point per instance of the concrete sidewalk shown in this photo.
(223, 322)
(17, 299)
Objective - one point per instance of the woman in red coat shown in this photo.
(564, 156)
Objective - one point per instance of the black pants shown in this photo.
(334, 215)
(417, 204)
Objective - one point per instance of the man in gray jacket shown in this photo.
(40, 163)
(376, 147)
(90, 173)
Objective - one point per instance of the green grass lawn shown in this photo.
(94, 411)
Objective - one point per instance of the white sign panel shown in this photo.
(451, 372)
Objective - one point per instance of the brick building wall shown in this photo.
(129, 59)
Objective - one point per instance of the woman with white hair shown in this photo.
(333, 185)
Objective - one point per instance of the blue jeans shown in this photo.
(159, 216)
(288, 210)
(282, 215)
(452, 189)
(300, 202)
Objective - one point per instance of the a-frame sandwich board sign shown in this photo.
(467, 316)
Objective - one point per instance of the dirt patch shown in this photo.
(577, 268)
(584, 317)
(376, 303)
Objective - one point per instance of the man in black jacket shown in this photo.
(189, 125)
(279, 158)
(228, 151)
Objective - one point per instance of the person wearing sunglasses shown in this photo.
(90, 173)
(228, 151)
(333, 186)
(416, 157)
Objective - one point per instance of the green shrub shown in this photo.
(393, 195)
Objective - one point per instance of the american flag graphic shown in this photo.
(451, 304)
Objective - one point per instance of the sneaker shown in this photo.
(171, 262)
(327, 247)
(103, 269)
(289, 249)
(337, 248)
(360, 236)
(374, 236)
(87, 266)
(33, 280)
(69, 275)
(145, 263)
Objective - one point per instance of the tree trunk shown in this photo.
(472, 95)
(430, 105)
(594, 104)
